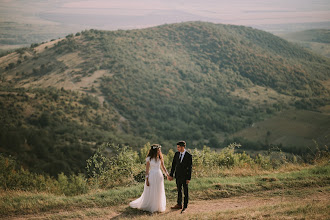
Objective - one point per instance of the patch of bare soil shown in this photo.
(41, 48)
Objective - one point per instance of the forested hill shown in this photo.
(195, 81)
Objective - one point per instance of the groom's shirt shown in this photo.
(182, 155)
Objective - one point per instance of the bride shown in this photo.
(153, 198)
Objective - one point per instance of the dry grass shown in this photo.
(245, 170)
(263, 195)
(279, 204)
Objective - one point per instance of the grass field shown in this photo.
(291, 192)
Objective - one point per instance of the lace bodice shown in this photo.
(154, 164)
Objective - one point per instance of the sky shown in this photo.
(127, 14)
(235, 11)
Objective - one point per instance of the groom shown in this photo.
(181, 166)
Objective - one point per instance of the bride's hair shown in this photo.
(153, 152)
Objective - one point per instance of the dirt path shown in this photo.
(199, 207)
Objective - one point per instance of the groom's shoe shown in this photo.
(177, 206)
(183, 210)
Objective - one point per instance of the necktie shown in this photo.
(180, 157)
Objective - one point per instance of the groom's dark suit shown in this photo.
(182, 171)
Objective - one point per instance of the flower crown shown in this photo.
(156, 146)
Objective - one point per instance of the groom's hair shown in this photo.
(181, 143)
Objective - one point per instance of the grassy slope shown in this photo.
(294, 129)
(290, 183)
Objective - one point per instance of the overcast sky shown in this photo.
(114, 14)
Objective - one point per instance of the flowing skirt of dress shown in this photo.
(153, 198)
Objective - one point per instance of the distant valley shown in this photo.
(316, 40)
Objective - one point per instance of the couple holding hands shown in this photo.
(153, 198)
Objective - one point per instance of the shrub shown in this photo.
(263, 161)
(14, 178)
(72, 185)
(90, 101)
(118, 169)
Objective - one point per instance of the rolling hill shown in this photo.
(197, 81)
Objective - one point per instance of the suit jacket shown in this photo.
(182, 170)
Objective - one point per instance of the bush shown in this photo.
(263, 161)
(90, 101)
(225, 158)
(73, 185)
(14, 178)
(118, 169)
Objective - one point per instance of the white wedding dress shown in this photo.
(153, 198)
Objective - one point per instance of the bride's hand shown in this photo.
(148, 183)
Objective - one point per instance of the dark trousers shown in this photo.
(179, 184)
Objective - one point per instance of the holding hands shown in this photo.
(170, 178)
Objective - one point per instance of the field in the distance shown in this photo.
(296, 128)
(316, 40)
(16, 34)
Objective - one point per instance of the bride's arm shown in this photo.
(147, 172)
(164, 168)
(162, 164)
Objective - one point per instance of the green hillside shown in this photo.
(196, 81)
